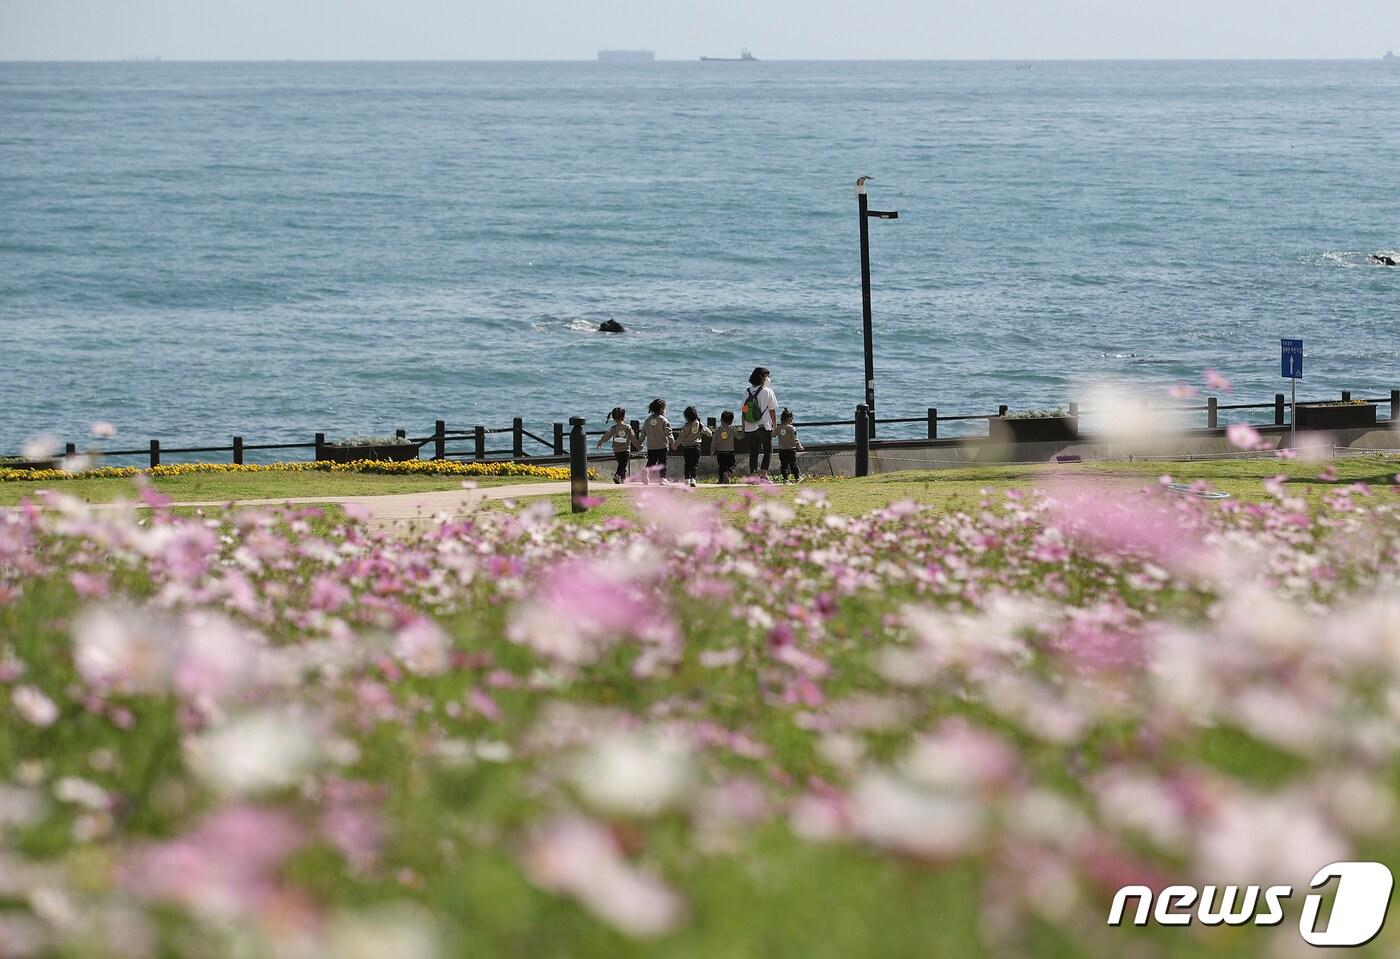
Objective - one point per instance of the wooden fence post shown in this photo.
(1346, 396)
(440, 440)
(1395, 404)
(70, 449)
(1278, 409)
(862, 440)
(707, 443)
(238, 451)
(480, 442)
(558, 439)
(578, 465)
(517, 438)
(1212, 413)
(1074, 417)
(320, 444)
(933, 422)
(155, 452)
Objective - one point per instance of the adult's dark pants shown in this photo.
(760, 440)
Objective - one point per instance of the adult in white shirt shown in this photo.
(759, 432)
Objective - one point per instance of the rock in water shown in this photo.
(610, 326)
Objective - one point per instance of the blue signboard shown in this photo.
(1292, 359)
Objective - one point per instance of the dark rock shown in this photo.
(610, 326)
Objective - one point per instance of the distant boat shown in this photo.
(743, 57)
(626, 56)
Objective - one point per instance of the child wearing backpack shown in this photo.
(788, 446)
(623, 440)
(724, 446)
(689, 442)
(660, 439)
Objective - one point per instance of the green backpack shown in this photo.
(752, 411)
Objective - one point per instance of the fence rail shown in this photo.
(472, 442)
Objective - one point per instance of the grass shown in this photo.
(963, 488)
(946, 488)
(225, 487)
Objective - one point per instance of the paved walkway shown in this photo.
(388, 509)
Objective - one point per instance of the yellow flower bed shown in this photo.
(385, 467)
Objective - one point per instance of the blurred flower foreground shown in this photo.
(751, 728)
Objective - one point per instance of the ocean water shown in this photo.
(272, 249)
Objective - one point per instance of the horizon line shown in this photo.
(696, 59)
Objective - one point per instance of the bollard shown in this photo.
(1278, 409)
(155, 452)
(558, 439)
(862, 440)
(480, 439)
(1346, 396)
(440, 440)
(517, 439)
(238, 451)
(707, 443)
(1212, 414)
(1074, 417)
(933, 422)
(320, 442)
(578, 465)
(70, 449)
(1395, 405)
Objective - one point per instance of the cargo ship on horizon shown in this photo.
(743, 57)
(626, 56)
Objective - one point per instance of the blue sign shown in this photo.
(1292, 359)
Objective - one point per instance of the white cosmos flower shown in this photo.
(266, 750)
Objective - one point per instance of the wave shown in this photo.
(1350, 259)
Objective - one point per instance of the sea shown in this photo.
(195, 250)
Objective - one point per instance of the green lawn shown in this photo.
(963, 488)
(274, 484)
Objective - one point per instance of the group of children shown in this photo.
(661, 441)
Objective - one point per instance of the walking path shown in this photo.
(388, 509)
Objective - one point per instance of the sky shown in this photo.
(685, 29)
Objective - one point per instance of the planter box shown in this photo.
(1033, 429)
(1348, 416)
(394, 452)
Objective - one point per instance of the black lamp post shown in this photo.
(865, 215)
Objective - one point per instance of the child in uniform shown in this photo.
(788, 446)
(689, 442)
(624, 441)
(724, 445)
(660, 439)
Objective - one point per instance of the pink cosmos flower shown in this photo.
(577, 857)
(1242, 436)
(422, 647)
(328, 593)
(224, 868)
(1216, 381)
(103, 429)
(1181, 391)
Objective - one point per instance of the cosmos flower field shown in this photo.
(740, 727)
